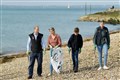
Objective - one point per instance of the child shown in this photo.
(75, 44)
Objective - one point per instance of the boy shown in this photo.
(75, 44)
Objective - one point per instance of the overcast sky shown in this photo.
(58, 2)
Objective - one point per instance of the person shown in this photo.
(54, 41)
(101, 41)
(35, 50)
(75, 44)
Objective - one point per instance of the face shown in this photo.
(52, 32)
(101, 24)
(76, 33)
(36, 30)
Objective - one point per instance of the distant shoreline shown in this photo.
(10, 57)
(110, 16)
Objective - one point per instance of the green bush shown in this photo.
(113, 21)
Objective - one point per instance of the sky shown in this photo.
(57, 2)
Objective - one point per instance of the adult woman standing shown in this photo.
(102, 43)
(54, 41)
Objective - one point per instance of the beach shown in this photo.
(16, 68)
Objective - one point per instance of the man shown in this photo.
(102, 42)
(75, 43)
(35, 50)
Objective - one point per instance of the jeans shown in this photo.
(103, 48)
(32, 57)
(75, 59)
(51, 67)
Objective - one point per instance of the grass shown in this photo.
(110, 14)
(110, 17)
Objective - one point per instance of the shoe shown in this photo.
(105, 67)
(49, 74)
(75, 71)
(99, 68)
(40, 75)
(29, 77)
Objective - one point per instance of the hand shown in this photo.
(94, 47)
(44, 51)
(79, 51)
(28, 52)
(56, 46)
(50, 46)
(69, 50)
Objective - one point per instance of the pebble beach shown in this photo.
(17, 68)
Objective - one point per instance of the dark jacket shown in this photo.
(101, 36)
(36, 46)
(75, 42)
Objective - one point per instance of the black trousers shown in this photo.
(32, 57)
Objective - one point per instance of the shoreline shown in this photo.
(9, 57)
(110, 16)
(64, 44)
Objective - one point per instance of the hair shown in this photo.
(102, 21)
(36, 27)
(52, 28)
(76, 30)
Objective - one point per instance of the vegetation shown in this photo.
(109, 16)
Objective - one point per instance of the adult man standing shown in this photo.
(35, 50)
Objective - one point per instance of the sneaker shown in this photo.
(99, 68)
(105, 67)
(49, 74)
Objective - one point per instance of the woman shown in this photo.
(102, 42)
(54, 41)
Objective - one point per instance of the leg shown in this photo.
(100, 55)
(31, 64)
(51, 67)
(76, 60)
(73, 59)
(39, 60)
(105, 50)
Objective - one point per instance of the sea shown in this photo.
(17, 22)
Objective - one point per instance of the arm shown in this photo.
(81, 41)
(59, 41)
(29, 44)
(108, 37)
(48, 42)
(43, 43)
(94, 37)
(69, 42)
